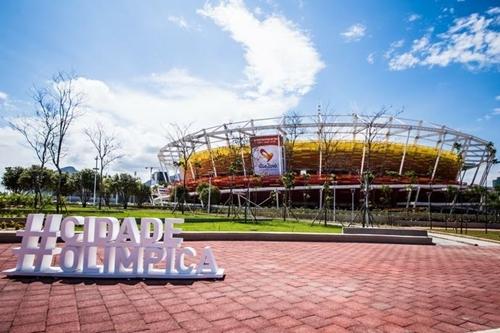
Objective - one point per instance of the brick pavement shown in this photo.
(276, 287)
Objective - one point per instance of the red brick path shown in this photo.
(277, 287)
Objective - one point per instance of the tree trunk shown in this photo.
(285, 195)
(125, 201)
(84, 200)
(58, 190)
(185, 189)
(99, 205)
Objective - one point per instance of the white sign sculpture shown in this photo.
(127, 252)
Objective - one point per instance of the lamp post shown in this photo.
(95, 177)
(150, 172)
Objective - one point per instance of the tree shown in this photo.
(371, 128)
(36, 180)
(288, 181)
(386, 200)
(10, 179)
(107, 149)
(142, 193)
(84, 181)
(106, 190)
(63, 102)
(186, 146)
(328, 147)
(291, 123)
(68, 185)
(38, 131)
(179, 194)
(125, 185)
(203, 190)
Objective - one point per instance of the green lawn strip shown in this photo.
(207, 222)
(491, 235)
(266, 226)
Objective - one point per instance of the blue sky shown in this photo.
(146, 63)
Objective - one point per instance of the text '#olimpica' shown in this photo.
(107, 248)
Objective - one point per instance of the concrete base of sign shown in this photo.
(60, 274)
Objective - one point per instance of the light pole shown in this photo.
(95, 177)
(150, 173)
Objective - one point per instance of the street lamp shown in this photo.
(95, 177)
(150, 173)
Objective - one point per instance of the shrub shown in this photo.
(214, 195)
(179, 194)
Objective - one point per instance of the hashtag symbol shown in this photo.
(38, 245)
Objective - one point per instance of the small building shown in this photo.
(496, 182)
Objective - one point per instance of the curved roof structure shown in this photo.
(475, 152)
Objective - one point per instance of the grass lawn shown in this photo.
(273, 226)
(492, 234)
(206, 222)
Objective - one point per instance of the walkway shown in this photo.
(277, 287)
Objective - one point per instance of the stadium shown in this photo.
(251, 157)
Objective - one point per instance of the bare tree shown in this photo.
(371, 128)
(291, 125)
(328, 136)
(186, 146)
(329, 141)
(235, 144)
(64, 102)
(107, 149)
(38, 130)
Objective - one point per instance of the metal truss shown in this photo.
(477, 154)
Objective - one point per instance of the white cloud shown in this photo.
(414, 17)
(354, 33)
(473, 41)
(180, 21)
(497, 97)
(494, 11)
(371, 58)
(3, 98)
(139, 117)
(496, 111)
(280, 58)
(271, 85)
(392, 48)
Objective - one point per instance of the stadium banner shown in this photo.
(267, 155)
(109, 249)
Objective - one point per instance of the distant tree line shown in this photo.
(47, 183)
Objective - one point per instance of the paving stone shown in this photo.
(330, 287)
(73, 326)
(28, 328)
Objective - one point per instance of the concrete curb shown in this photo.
(437, 233)
(10, 237)
(385, 231)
